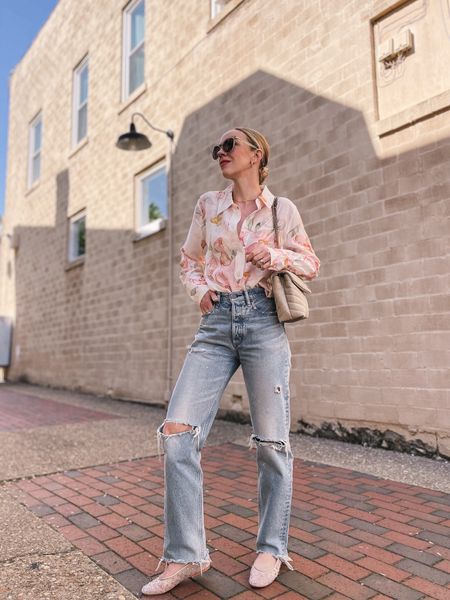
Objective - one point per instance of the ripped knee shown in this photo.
(170, 428)
(279, 445)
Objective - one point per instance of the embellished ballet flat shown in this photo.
(260, 578)
(161, 584)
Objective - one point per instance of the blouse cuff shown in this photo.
(278, 259)
(197, 292)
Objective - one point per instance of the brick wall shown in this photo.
(375, 352)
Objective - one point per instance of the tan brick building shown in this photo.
(354, 97)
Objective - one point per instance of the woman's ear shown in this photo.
(259, 154)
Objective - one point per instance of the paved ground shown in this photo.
(81, 508)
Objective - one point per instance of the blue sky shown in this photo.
(20, 22)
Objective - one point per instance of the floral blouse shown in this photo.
(213, 255)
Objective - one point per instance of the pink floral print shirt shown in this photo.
(213, 255)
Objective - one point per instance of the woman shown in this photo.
(227, 261)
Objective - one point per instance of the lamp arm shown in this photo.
(170, 134)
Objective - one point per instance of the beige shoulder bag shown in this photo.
(288, 288)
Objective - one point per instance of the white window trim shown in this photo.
(151, 228)
(126, 54)
(31, 153)
(217, 16)
(75, 106)
(215, 9)
(73, 220)
(157, 224)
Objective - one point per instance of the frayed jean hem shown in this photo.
(200, 563)
(285, 559)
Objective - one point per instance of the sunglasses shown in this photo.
(228, 146)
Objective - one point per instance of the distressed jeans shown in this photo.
(241, 330)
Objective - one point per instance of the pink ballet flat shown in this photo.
(261, 579)
(161, 585)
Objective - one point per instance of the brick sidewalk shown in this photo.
(20, 411)
(352, 535)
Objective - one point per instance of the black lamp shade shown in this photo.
(132, 140)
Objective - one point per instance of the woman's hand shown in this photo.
(207, 302)
(259, 255)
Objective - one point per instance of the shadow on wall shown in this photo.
(367, 356)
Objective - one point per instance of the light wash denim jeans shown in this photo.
(241, 330)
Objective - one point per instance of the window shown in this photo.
(411, 83)
(152, 200)
(133, 49)
(217, 6)
(77, 236)
(35, 144)
(80, 102)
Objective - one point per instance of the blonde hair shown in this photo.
(257, 139)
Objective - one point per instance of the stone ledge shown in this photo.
(374, 438)
(423, 110)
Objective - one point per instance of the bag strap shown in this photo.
(275, 221)
(298, 281)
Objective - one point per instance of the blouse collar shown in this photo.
(225, 198)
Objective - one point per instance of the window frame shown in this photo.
(213, 8)
(126, 52)
(144, 229)
(76, 106)
(32, 153)
(72, 222)
(216, 17)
